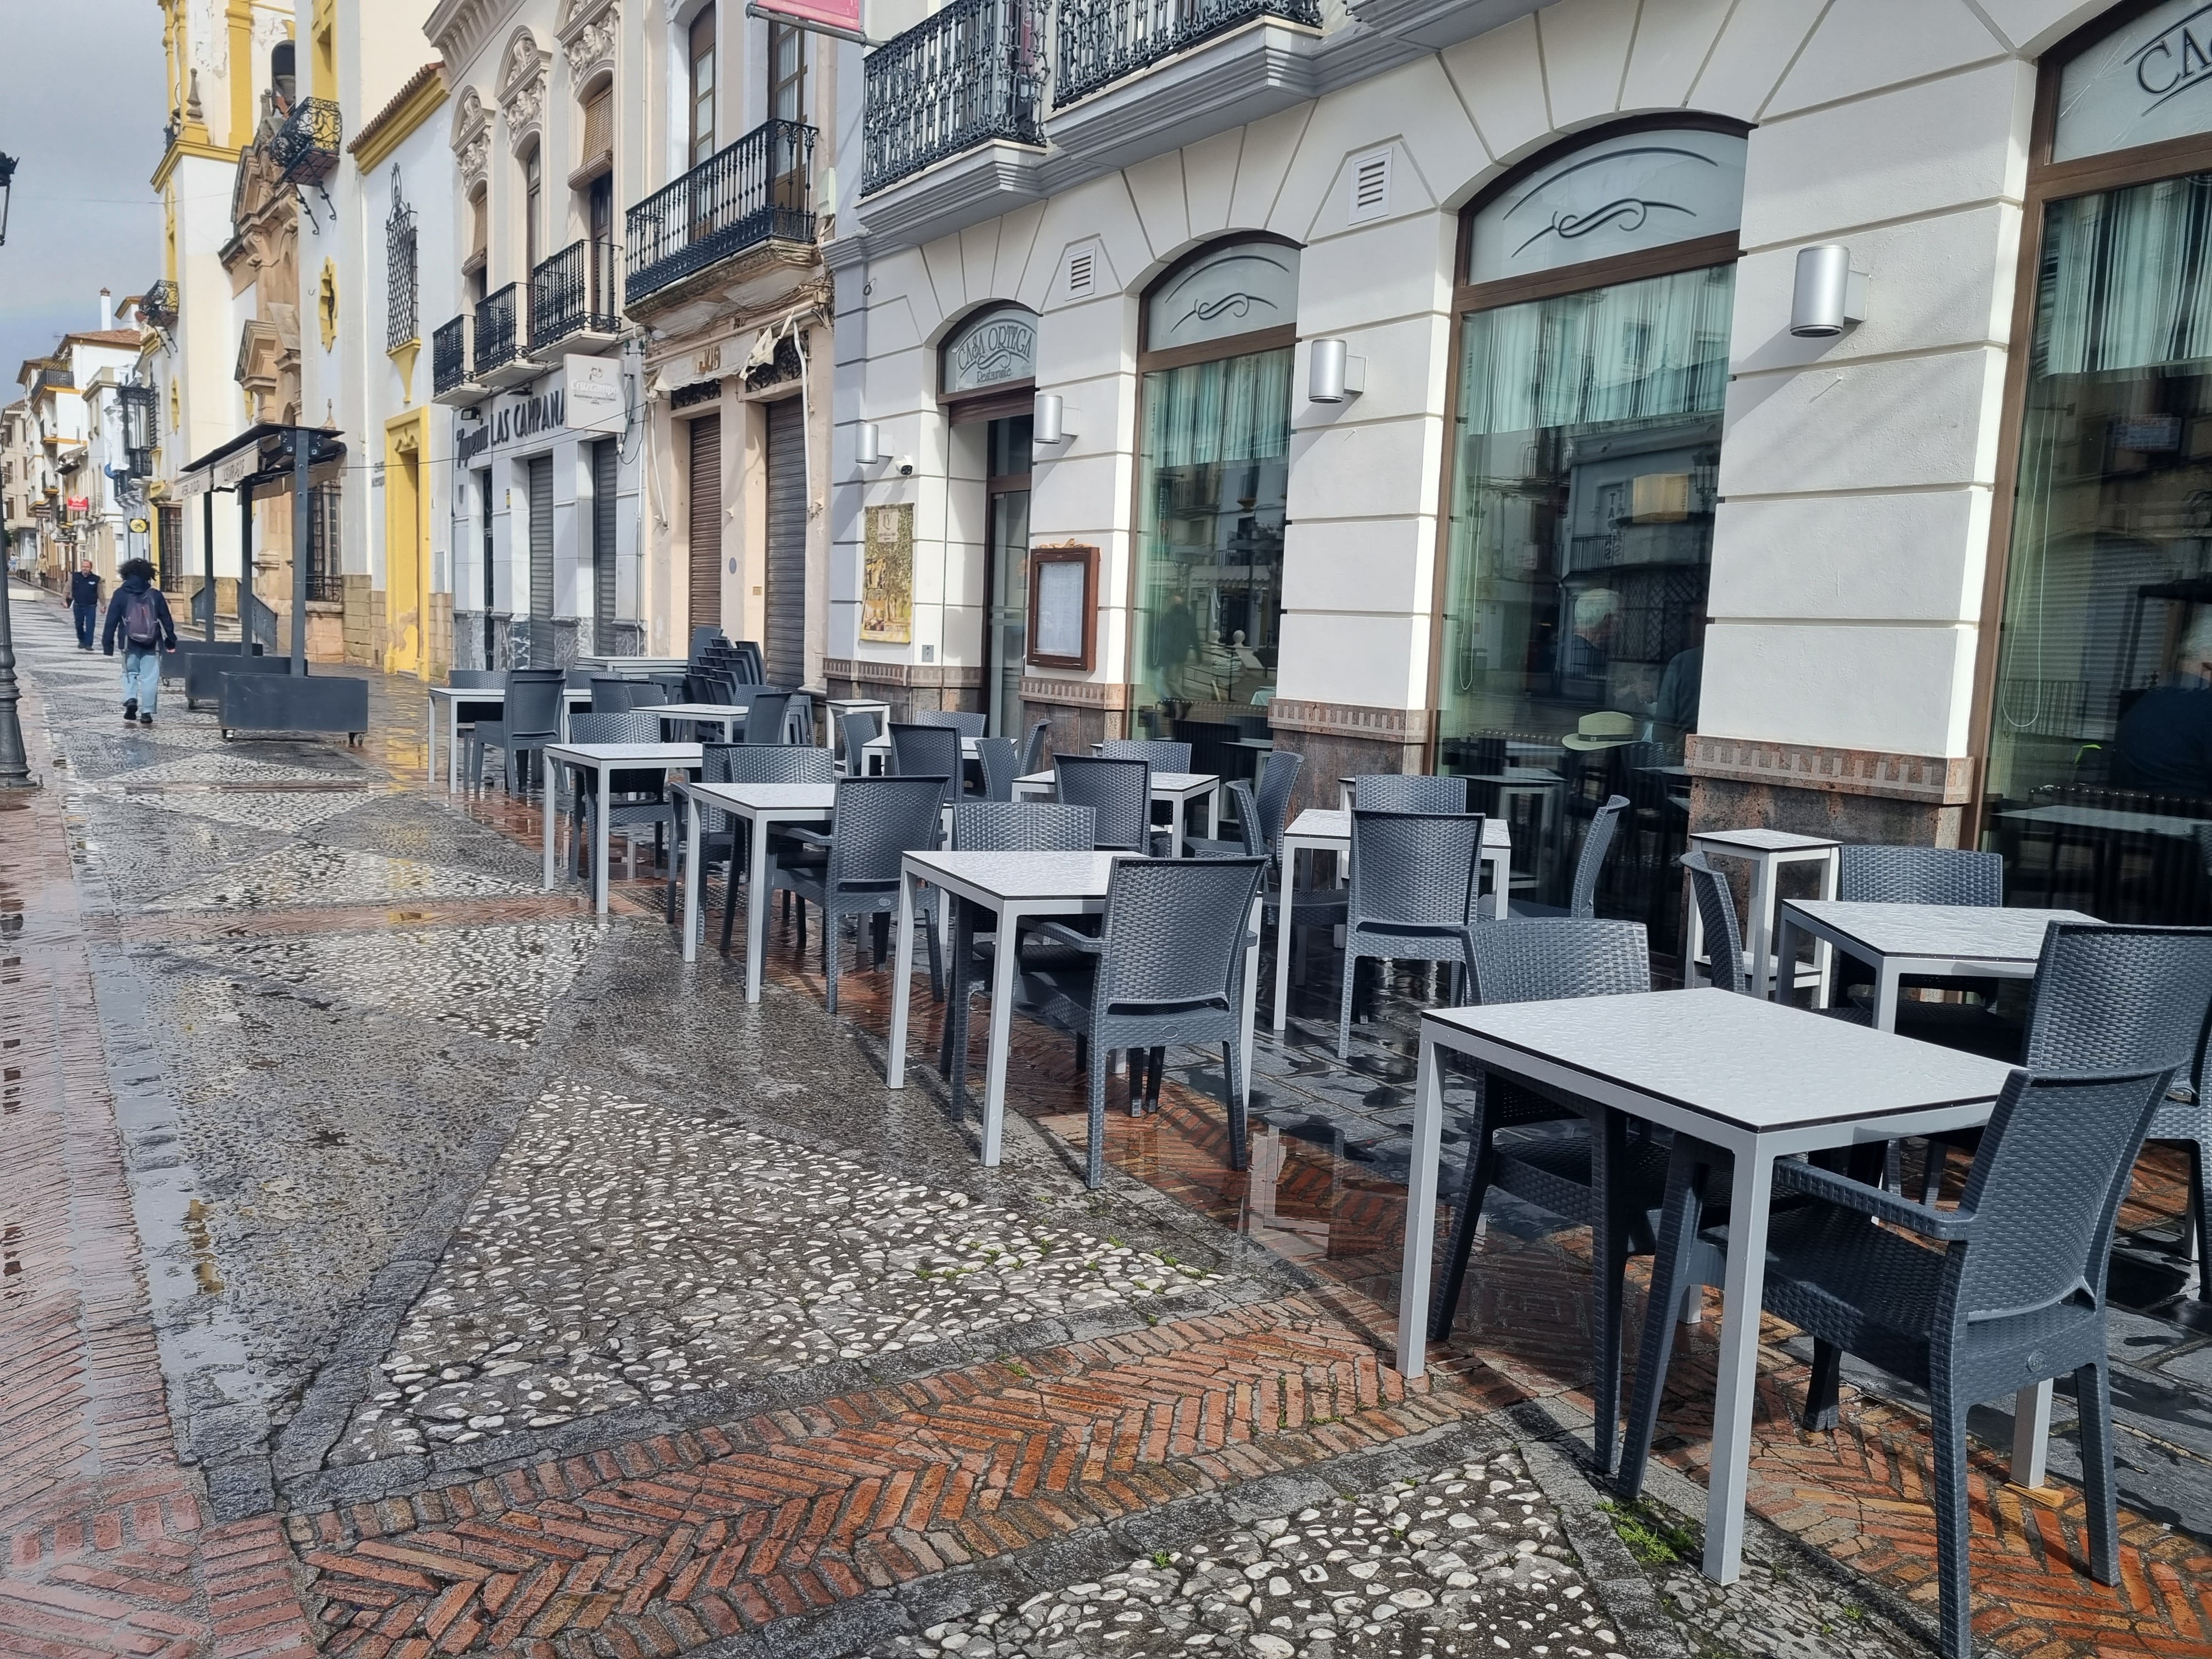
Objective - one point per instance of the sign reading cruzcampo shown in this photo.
(992, 347)
(2147, 80)
(839, 17)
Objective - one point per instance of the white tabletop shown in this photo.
(1164, 783)
(1762, 840)
(498, 692)
(607, 664)
(1755, 1064)
(624, 754)
(1327, 823)
(694, 711)
(1022, 875)
(1979, 932)
(2107, 818)
(768, 797)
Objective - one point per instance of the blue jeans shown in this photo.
(86, 616)
(141, 677)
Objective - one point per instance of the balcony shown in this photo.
(572, 301)
(306, 147)
(756, 194)
(973, 74)
(451, 381)
(499, 361)
(159, 308)
(1102, 41)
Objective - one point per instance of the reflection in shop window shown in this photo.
(2100, 783)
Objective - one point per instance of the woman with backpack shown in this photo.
(141, 615)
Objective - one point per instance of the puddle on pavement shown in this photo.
(195, 1232)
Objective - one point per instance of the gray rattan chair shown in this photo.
(1168, 969)
(1589, 863)
(1118, 791)
(860, 727)
(991, 826)
(529, 721)
(1162, 754)
(475, 678)
(1606, 1172)
(929, 751)
(739, 762)
(1033, 750)
(2016, 1297)
(1408, 792)
(966, 723)
(875, 822)
(1416, 883)
(1271, 801)
(999, 762)
(635, 798)
(1310, 907)
(1709, 890)
(764, 716)
(1918, 875)
(472, 679)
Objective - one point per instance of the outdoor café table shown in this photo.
(1758, 1079)
(1012, 887)
(602, 758)
(764, 807)
(1766, 851)
(453, 697)
(1946, 941)
(1174, 787)
(1318, 830)
(730, 717)
(607, 664)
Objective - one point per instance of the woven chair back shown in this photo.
(765, 763)
(2119, 999)
(1118, 791)
(1022, 826)
(1175, 930)
(1408, 792)
(1715, 903)
(1591, 860)
(999, 762)
(764, 713)
(1538, 960)
(877, 821)
(966, 724)
(1415, 869)
(1919, 875)
(1163, 754)
(533, 702)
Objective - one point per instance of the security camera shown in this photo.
(905, 465)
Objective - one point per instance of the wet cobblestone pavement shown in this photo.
(510, 1286)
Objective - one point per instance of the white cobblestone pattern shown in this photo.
(495, 981)
(312, 874)
(625, 1253)
(1468, 1562)
(230, 770)
(282, 812)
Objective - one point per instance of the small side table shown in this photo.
(840, 707)
(1766, 851)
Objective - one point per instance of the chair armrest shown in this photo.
(800, 833)
(1061, 933)
(1814, 1181)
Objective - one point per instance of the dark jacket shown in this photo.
(122, 594)
(84, 588)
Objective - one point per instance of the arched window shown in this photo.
(1213, 470)
(281, 81)
(1595, 294)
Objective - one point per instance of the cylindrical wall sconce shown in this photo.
(1050, 424)
(1829, 296)
(1333, 374)
(869, 450)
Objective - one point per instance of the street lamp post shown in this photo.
(15, 764)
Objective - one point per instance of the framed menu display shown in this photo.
(1063, 606)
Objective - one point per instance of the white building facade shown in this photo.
(1429, 400)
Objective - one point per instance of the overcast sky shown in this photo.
(82, 113)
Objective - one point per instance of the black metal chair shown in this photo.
(877, 821)
(529, 721)
(1118, 791)
(1408, 792)
(2015, 1297)
(1414, 895)
(1166, 967)
(636, 797)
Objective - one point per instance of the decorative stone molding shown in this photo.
(461, 28)
(472, 139)
(862, 671)
(1348, 720)
(1926, 780)
(1075, 694)
(586, 32)
(524, 67)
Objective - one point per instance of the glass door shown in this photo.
(1006, 628)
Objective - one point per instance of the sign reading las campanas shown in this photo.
(586, 396)
(2149, 80)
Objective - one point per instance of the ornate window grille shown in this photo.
(402, 280)
(325, 581)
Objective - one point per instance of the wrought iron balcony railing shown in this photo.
(971, 73)
(759, 189)
(158, 306)
(574, 293)
(306, 147)
(495, 331)
(449, 355)
(53, 377)
(1100, 41)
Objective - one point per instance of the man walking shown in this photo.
(84, 603)
(141, 615)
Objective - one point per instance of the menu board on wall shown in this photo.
(1063, 606)
(887, 576)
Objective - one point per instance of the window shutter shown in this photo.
(598, 131)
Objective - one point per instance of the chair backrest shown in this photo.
(862, 727)
(650, 694)
(475, 676)
(1248, 820)
(579, 679)
(1163, 754)
(1279, 780)
(798, 719)
(706, 685)
(2111, 999)
(630, 726)
(1408, 792)
(751, 666)
(610, 694)
(1536, 961)
(877, 820)
(765, 763)
(1415, 869)
(2045, 1188)
(967, 725)
(1118, 791)
(1709, 890)
(533, 702)
(1033, 750)
(1022, 826)
(928, 751)
(1174, 932)
(999, 762)
(1919, 875)
(703, 638)
(764, 713)
(1595, 841)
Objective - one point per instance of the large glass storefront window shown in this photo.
(2099, 789)
(1215, 473)
(1586, 450)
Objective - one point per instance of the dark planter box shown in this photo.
(266, 702)
(173, 662)
(204, 672)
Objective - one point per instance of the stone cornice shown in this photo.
(423, 95)
(195, 150)
(1111, 695)
(866, 670)
(1929, 779)
(1349, 720)
(459, 28)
